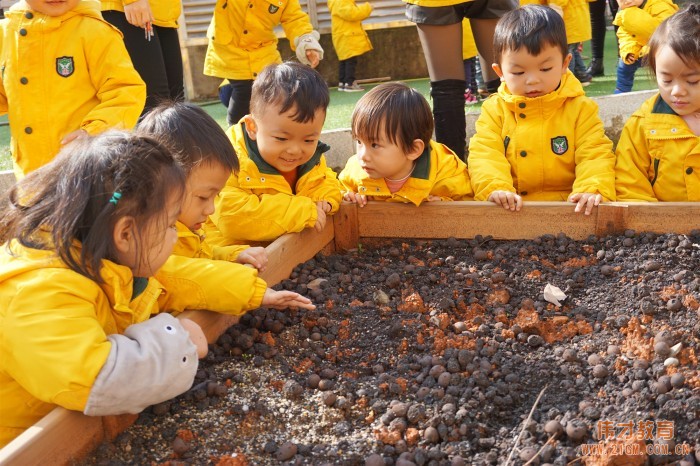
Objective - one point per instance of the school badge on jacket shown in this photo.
(560, 145)
(65, 66)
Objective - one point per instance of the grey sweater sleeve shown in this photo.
(152, 362)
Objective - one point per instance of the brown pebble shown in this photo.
(576, 430)
(180, 446)
(329, 398)
(553, 427)
(286, 451)
(600, 371)
(313, 380)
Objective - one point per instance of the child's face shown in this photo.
(384, 159)
(679, 84)
(284, 143)
(52, 7)
(204, 183)
(145, 252)
(532, 75)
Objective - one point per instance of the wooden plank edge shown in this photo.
(346, 227)
(64, 436)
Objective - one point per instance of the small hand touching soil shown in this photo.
(434, 353)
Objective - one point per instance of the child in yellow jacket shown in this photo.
(396, 160)
(283, 184)
(658, 155)
(242, 41)
(208, 159)
(540, 138)
(57, 84)
(637, 20)
(577, 18)
(82, 290)
(349, 39)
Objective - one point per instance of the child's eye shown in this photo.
(280, 139)
(309, 141)
(518, 73)
(375, 145)
(693, 83)
(544, 70)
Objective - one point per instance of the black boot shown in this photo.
(448, 111)
(596, 67)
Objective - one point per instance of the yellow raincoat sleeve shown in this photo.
(347, 177)
(349, 11)
(631, 180)
(595, 160)
(489, 168)
(218, 286)
(295, 22)
(55, 332)
(120, 89)
(322, 185)
(191, 244)
(243, 215)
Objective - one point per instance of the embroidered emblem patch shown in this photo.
(273, 9)
(560, 145)
(65, 66)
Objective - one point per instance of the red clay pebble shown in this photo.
(286, 451)
(329, 398)
(180, 446)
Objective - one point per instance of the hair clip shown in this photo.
(115, 197)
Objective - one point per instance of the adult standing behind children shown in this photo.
(349, 39)
(150, 36)
(242, 42)
(283, 185)
(636, 21)
(57, 84)
(439, 24)
(540, 138)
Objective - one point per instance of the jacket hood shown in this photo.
(89, 8)
(568, 88)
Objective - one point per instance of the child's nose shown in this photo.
(677, 89)
(209, 209)
(531, 79)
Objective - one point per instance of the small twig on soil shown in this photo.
(517, 439)
(549, 440)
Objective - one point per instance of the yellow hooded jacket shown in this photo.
(165, 12)
(637, 24)
(438, 172)
(349, 39)
(194, 244)
(54, 323)
(258, 204)
(577, 19)
(56, 80)
(241, 37)
(543, 148)
(658, 157)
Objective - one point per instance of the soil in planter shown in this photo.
(434, 352)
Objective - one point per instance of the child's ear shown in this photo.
(250, 126)
(416, 149)
(567, 59)
(497, 68)
(123, 235)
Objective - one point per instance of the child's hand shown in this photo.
(587, 200)
(356, 198)
(630, 58)
(197, 336)
(285, 299)
(432, 198)
(321, 218)
(138, 13)
(507, 200)
(256, 256)
(628, 3)
(72, 136)
(314, 58)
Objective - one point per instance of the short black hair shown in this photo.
(681, 33)
(530, 26)
(192, 135)
(290, 85)
(396, 111)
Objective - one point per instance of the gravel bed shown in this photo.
(435, 352)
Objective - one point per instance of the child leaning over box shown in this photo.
(396, 160)
(284, 184)
(540, 138)
(65, 73)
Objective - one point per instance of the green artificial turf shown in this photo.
(342, 103)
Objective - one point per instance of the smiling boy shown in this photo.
(284, 184)
(540, 138)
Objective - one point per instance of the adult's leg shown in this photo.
(350, 66)
(146, 56)
(239, 105)
(442, 47)
(598, 29)
(483, 36)
(170, 45)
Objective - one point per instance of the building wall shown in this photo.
(397, 54)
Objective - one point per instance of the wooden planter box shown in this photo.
(65, 436)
